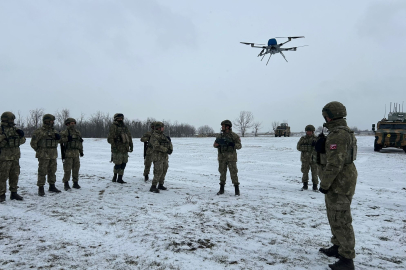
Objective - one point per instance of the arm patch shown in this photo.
(333, 146)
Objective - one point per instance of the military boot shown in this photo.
(305, 186)
(146, 178)
(315, 187)
(76, 185)
(221, 191)
(66, 186)
(41, 191)
(331, 251)
(154, 189)
(52, 188)
(120, 180)
(343, 264)
(237, 190)
(2, 197)
(114, 178)
(15, 196)
(161, 187)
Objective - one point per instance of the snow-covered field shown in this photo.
(272, 225)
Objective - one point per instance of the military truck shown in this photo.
(391, 132)
(282, 130)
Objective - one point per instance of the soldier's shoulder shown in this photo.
(235, 135)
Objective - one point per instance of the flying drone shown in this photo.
(273, 47)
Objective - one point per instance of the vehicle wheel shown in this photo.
(377, 147)
(284, 135)
(276, 135)
(404, 149)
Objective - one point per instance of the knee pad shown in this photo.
(117, 166)
(123, 165)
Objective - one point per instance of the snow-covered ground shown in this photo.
(272, 225)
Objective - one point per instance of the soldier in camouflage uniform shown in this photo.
(147, 151)
(121, 143)
(10, 140)
(45, 141)
(72, 145)
(162, 147)
(227, 142)
(338, 176)
(308, 157)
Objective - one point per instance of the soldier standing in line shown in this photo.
(147, 151)
(338, 175)
(162, 147)
(44, 141)
(308, 157)
(71, 148)
(227, 142)
(10, 140)
(121, 143)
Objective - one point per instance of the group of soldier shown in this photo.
(329, 158)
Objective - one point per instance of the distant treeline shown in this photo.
(98, 124)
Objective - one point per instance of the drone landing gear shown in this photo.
(269, 58)
(284, 56)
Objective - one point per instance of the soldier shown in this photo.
(162, 147)
(308, 157)
(338, 176)
(147, 151)
(44, 141)
(227, 142)
(71, 148)
(121, 143)
(10, 140)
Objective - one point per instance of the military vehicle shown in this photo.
(391, 132)
(282, 130)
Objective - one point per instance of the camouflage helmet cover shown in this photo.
(227, 123)
(334, 110)
(158, 124)
(8, 116)
(48, 117)
(310, 128)
(70, 120)
(117, 115)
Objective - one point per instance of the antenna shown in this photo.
(390, 108)
(385, 112)
(402, 106)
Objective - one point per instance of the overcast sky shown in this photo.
(182, 60)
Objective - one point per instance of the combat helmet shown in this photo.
(158, 125)
(334, 110)
(8, 117)
(69, 120)
(117, 115)
(48, 117)
(152, 125)
(310, 128)
(227, 123)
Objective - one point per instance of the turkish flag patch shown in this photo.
(333, 146)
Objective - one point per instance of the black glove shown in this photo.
(322, 190)
(70, 138)
(20, 133)
(169, 151)
(231, 144)
(81, 154)
(57, 136)
(169, 138)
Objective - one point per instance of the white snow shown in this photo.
(272, 225)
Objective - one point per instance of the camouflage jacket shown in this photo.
(160, 146)
(10, 142)
(337, 171)
(145, 139)
(306, 147)
(120, 138)
(73, 147)
(44, 143)
(228, 144)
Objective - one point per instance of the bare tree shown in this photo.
(20, 121)
(205, 130)
(60, 117)
(257, 126)
(34, 119)
(244, 121)
(275, 125)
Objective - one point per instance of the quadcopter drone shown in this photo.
(273, 47)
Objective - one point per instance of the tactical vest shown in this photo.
(76, 142)
(121, 135)
(224, 148)
(48, 142)
(164, 142)
(12, 138)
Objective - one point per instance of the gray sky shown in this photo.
(182, 60)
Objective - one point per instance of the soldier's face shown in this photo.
(162, 128)
(71, 124)
(120, 119)
(309, 133)
(223, 127)
(51, 122)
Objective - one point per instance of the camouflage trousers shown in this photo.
(232, 166)
(306, 166)
(46, 167)
(160, 169)
(71, 165)
(120, 161)
(9, 169)
(340, 219)
(147, 163)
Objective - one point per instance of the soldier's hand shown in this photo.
(131, 149)
(57, 136)
(322, 190)
(231, 144)
(20, 133)
(169, 138)
(81, 154)
(70, 138)
(169, 151)
(216, 144)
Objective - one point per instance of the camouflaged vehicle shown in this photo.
(391, 132)
(282, 130)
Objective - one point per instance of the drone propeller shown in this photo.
(291, 37)
(248, 43)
